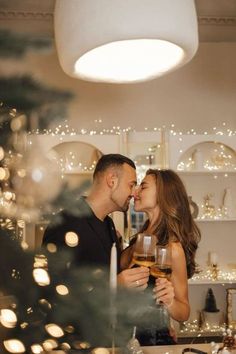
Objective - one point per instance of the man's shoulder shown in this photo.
(77, 210)
(74, 219)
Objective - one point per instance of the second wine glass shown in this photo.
(163, 265)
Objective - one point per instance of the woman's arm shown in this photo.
(174, 293)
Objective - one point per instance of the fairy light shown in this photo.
(37, 349)
(62, 290)
(8, 318)
(207, 276)
(50, 344)
(54, 330)
(14, 346)
(220, 158)
(192, 327)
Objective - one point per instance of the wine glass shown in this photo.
(162, 267)
(145, 250)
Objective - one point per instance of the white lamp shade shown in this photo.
(124, 41)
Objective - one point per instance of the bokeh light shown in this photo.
(14, 346)
(50, 344)
(62, 290)
(8, 318)
(71, 239)
(36, 349)
(54, 330)
(41, 276)
(51, 247)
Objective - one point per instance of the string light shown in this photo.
(65, 129)
(206, 276)
(192, 327)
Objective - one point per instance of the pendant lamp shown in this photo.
(124, 41)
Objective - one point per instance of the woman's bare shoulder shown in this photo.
(177, 249)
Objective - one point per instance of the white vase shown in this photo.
(228, 203)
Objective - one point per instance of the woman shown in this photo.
(162, 196)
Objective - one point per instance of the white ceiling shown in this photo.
(200, 95)
(217, 18)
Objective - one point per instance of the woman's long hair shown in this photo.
(175, 222)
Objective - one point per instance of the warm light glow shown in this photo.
(37, 175)
(54, 330)
(100, 351)
(45, 304)
(1, 153)
(16, 124)
(40, 261)
(36, 349)
(62, 290)
(129, 60)
(41, 276)
(2, 173)
(65, 346)
(71, 239)
(51, 247)
(128, 43)
(8, 318)
(50, 344)
(14, 346)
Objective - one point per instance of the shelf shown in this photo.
(78, 172)
(215, 220)
(210, 282)
(199, 333)
(205, 172)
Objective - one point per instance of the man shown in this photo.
(91, 228)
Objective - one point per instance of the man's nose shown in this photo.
(136, 191)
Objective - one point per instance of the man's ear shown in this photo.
(112, 179)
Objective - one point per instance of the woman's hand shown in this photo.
(164, 291)
(134, 278)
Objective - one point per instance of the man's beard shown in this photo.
(123, 207)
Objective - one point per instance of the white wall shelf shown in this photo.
(199, 333)
(78, 172)
(216, 220)
(217, 234)
(211, 282)
(205, 172)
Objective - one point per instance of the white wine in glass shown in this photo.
(162, 267)
(145, 250)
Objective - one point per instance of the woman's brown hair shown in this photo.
(175, 222)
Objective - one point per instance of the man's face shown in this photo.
(124, 187)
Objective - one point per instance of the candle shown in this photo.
(213, 258)
(113, 269)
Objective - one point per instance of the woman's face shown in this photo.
(145, 198)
